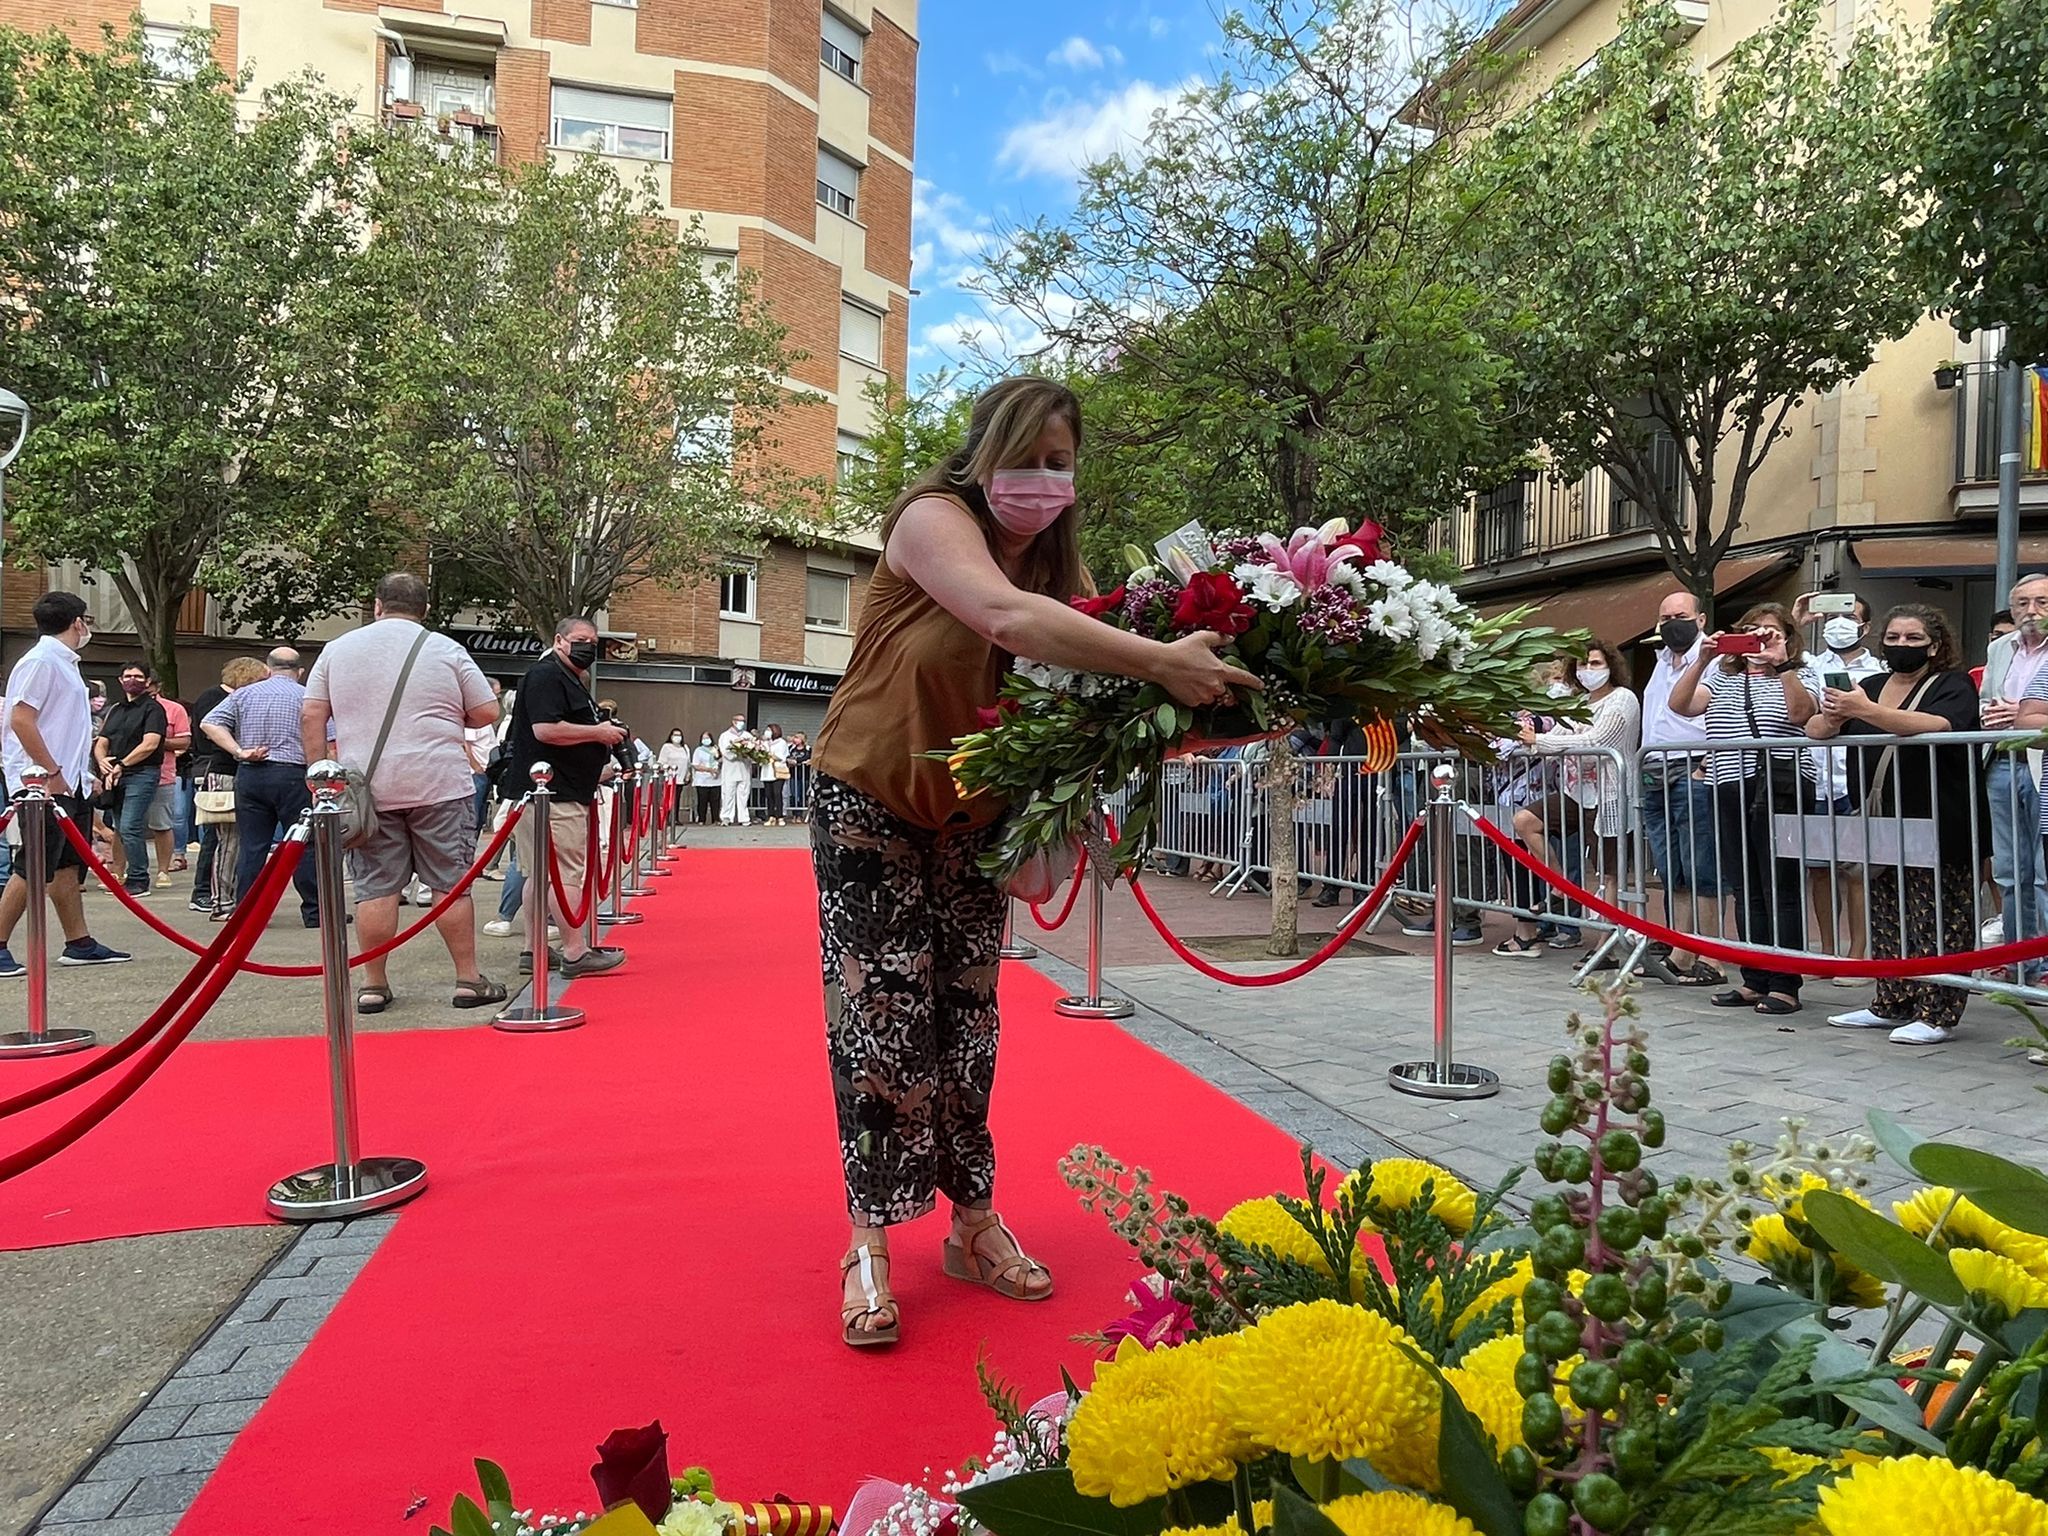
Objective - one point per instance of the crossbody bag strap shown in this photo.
(391, 709)
(1886, 757)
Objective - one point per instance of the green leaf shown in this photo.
(1165, 717)
(2010, 1192)
(1064, 791)
(1046, 1504)
(1469, 1473)
(467, 1519)
(496, 1488)
(1897, 1142)
(1757, 1311)
(1841, 1371)
(1886, 1250)
(1294, 1515)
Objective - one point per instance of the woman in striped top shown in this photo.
(1745, 697)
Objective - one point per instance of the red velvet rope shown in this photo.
(1768, 959)
(1344, 935)
(1066, 911)
(263, 968)
(592, 873)
(263, 897)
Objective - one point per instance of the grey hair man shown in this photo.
(2016, 675)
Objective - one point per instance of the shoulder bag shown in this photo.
(358, 805)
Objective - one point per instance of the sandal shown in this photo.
(1011, 1275)
(1735, 997)
(1776, 1007)
(878, 1301)
(1699, 974)
(480, 993)
(371, 999)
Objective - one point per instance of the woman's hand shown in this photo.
(1195, 675)
(1773, 653)
(1846, 703)
(1528, 732)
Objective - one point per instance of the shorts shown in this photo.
(57, 850)
(435, 843)
(161, 808)
(569, 826)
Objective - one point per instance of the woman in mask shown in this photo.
(704, 774)
(673, 759)
(980, 557)
(1931, 910)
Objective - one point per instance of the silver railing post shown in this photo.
(1443, 1077)
(352, 1184)
(33, 809)
(1016, 947)
(537, 1014)
(615, 914)
(639, 789)
(1094, 1005)
(657, 833)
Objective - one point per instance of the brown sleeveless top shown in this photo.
(915, 682)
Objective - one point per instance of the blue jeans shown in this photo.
(514, 893)
(2016, 855)
(1678, 822)
(182, 826)
(482, 784)
(269, 799)
(131, 824)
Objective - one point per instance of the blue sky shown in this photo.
(1012, 99)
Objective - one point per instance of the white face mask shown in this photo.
(1841, 634)
(1559, 690)
(1593, 679)
(704, 741)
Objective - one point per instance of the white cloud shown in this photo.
(1080, 55)
(1158, 26)
(949, 239)
(1072, 134)
(1008, 62)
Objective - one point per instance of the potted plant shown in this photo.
(1948, 374)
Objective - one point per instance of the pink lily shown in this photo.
(1158, 1321)
(1305, 557)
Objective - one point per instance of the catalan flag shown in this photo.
(2036, 399)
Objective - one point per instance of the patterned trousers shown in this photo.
(1953, 931)
(908, 931)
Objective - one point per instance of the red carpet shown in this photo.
(637, 1219)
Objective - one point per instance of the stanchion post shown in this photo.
(639, 791)
(537, 1014)
(615, 914)
(657, 832)
(1015, 947)
(33, 810)
(1095, 1005)
(1443, 1076)
(680, 780)
(352, 1184)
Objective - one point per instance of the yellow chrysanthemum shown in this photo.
(2003, 1280)
(1914, 1495)
(1151, 1423)
(1789, 1194)
(1969, 1226)
(1264, 1223)
(1329, 1382)
(1262, 1517)
(1395, 1514)
(1772, 1245)
(1493, 1402)
(1497, 1358)
(1508, 1287)
(1395, 1184)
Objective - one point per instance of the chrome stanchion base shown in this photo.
(51, 1042)
(320, 1194)
(1018, 949)
(1093, 1008)
(636, 889)
(525, 1019)
(620, 919)
(1464, 1082)
(654, 871)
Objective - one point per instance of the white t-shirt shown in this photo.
(704, 767)
(46, 679)
(424, 762)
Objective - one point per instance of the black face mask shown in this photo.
(1678, 634)
(1907, 658)
(582, 654)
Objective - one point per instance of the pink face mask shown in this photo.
(1029, 501)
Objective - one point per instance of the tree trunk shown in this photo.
(154, 611)
(1285, 940)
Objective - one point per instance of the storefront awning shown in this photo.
(1623, 609)
(1964, 554)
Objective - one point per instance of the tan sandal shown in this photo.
(879, 1300)
(1009, 1276)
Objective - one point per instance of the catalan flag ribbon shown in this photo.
(2036, 398)
(781, 1517)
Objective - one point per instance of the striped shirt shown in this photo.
(1735, 699)
(266, 714)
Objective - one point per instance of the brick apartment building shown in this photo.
(785, 126)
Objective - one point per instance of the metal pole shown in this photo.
(1014, 947)
(1443, 1076)
(2009, 402)
(537, 1014)
(33, 808)
(657, 833)
(615, 914)
(1094, 1005)
(639, 791)
(352, 1184)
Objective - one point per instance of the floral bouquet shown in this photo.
(1334, 629)
(748, 750)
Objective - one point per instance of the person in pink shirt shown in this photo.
(163, 810)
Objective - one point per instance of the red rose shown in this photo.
(632, 1467)
(989, 719)
(1096, 607)
(1211, 600)
(1369, 539)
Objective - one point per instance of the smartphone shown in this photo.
(1740, 645)
(1837, 680)
(1827, 604)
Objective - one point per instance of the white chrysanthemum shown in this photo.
(1349, 577)
(1394, 578)
(1391, 617)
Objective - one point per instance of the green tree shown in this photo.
(1984, 169)
(579, 399)
(1697, 253)
(195, 329)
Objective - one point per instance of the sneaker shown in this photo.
(1419, 927)
(199, 904)
(132, 889)
(9, 966)
(1565, 938)
(500, 927)
(163, 880)
(1467, 936)
(593, 961)
(90, 951)
(2035, 1058)
(526, 960)
(1848, 981)
(1920, 1032)
(1862, 1018)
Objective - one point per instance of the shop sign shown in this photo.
(780, 680)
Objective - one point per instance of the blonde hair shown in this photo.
(1001, 431)
(243, 671)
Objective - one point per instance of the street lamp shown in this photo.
(13, 414)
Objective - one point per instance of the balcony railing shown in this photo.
(458, 131)
(1524, 519)
(1978, 391)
